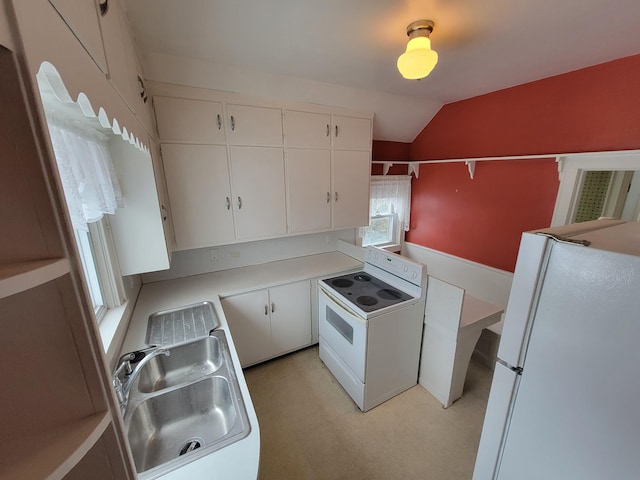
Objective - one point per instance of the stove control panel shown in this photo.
(400, 266)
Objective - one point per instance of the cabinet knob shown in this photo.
(328, 130)
(273, 307)
(328, 197)
(336, 131)
(228, 203)
(239, 203)
(233, 124)
(164, 213)
(266, 309)
(335, 196)
(219, 122)
(143, 90)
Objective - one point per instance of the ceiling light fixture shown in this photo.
(418, 60)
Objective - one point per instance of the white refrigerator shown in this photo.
(565, 397)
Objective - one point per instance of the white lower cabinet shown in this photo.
(269, 322)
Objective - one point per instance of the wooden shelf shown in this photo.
(19, 277)
(54, 453)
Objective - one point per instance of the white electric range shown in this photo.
(370, 326)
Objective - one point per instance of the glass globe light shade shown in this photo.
(418, 60)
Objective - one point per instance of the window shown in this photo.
(389, 211)
(92, 193)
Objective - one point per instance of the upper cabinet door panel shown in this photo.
(82, 19)
(351, 173)
(198, 185)
(257, 183)
(253, 125)
(192, 121)
(351, 132)
(114, 46)
(305, 129)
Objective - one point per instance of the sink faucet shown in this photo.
(124, 375)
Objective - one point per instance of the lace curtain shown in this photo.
(391, 195)
(88, 178)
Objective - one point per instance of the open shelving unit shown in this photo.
(59, 415)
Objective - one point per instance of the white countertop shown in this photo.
(241, 459)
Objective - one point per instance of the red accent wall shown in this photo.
(384, 151)
(593, 109)
(482, 219)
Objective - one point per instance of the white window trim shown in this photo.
(107, 266)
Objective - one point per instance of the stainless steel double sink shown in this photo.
(184, 406)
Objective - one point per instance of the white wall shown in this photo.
(486, 283)
(397, 117)
(197, 261)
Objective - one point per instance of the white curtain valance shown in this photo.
(392, 195)
(88, 177)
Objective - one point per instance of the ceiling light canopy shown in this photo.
(418, 60)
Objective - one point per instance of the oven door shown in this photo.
(344, 332)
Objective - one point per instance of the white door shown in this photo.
(249, 321)
(248, 125)
(198, 185)
(350, 132)
(193, 121)
(308, 189)
(257, 178)
(351, 173)
(306, 129)
(575, 413)
(290, 307)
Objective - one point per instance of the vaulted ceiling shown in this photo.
(345, 52)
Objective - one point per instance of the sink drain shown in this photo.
(190, 446)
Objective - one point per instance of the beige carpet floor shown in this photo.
(311, 429)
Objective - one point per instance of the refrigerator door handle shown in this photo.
(558, 238)
(517, 370)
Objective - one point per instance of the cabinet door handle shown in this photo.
(233, 124)
(266, 309)
(336, 131)
(165, 214)
(219, 122)
(239, 203)
(228, 203)
(143, 90)
(328, 130)
(104, 7)
(273, 307)
(328, 197)
(335, 196)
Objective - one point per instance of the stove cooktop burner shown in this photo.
(342, 282)
(366, 300)
(366, 292)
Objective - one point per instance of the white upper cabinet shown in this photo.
(309, 189)
(114, 46)
(249, 125)
(82, 19)
(351, 133)
(138, 228)
(351, 174)
(200, 195)
(307, 129)
(182, 120)
(287, 173)
(257, 184)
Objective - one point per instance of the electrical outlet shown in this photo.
(213, 254)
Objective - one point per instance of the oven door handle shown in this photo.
(345, 310)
